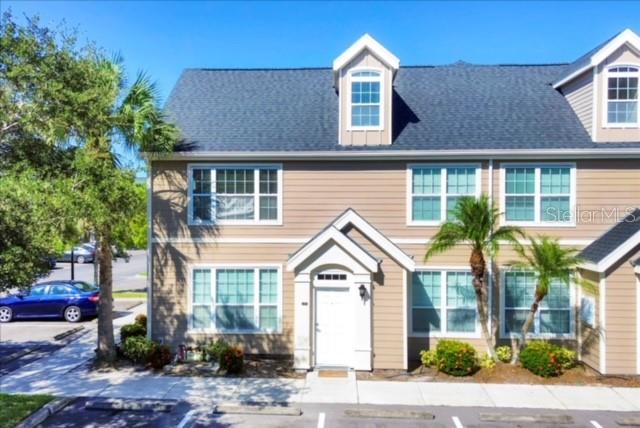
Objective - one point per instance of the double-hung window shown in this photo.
(622, 96)
(443, 303)
(554, 316)
(366, 106)
(230, 194)
(435, 191)
(236, 299)
(539, 194)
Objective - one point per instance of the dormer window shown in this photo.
(366, 106)
(622, 96)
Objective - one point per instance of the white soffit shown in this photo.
(625, 37)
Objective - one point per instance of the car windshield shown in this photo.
(85, 286)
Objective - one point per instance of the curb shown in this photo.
(257, 409)
(537, 419)
(43, 413)
(133, 405)
(388, 414)
(68, 333)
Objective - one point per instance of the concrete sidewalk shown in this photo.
(206, 391)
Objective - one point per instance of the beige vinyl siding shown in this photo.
(579, 95)
(590, 336)
(621, 315)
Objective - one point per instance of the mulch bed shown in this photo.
(506, 373)
(255, 367)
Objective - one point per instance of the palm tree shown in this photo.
(475, 223)
(550, 262)
(131, 116)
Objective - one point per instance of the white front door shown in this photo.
(334, 341)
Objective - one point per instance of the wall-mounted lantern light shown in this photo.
(363, 291)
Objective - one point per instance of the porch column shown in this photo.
(363, 332)
(302, 322)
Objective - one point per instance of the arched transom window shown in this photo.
(622, 95)
(366, 99)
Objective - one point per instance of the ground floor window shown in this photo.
(555, 314)
(236, 299)
(443, 303)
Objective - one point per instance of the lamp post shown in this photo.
(73, 262)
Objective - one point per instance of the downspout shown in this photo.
(491, 260)
(149, 247)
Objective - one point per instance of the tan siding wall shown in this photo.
(359, 137)
(591, 335)
(623, 56)
(579, 94)
(621, 301)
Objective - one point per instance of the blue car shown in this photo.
(71, 300)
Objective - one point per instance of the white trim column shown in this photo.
(363, 330)
(302, 322)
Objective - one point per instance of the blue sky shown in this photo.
(165, 37)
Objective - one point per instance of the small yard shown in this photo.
(130, 295)
(14, 408)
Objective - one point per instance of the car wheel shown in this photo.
(80, 259)
(5, 314)
(72, 314)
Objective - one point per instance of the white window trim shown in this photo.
(533, 335)
(443, 333)
(352, 79)
(256, 193)
(443, 189)
(537, 222)
(256, 295)
(605, 97)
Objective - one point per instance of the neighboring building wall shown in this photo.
(590, 336)
(605, 133)
(621, 312)
(359, 137)
(579, 94)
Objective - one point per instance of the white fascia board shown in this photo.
(333, 234)
(369, 43)
(625, 37)
(600, 153)
(637, 270)
(350, 217)
(612, 258)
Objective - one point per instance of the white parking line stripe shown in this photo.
(321, 418)
(456, 422)
(186, 419)
(596, 424)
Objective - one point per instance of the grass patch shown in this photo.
(130, 295)
(14, 408)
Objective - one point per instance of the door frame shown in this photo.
(319, 285)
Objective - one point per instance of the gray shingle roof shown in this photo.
(586, 58)
(613, 238)
(434, 108)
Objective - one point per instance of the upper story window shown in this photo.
(539, 194)
(436, 189)
(366, 106)
(235, 194)
(622, 96)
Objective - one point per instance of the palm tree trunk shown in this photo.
(526, 327)
(106, 343)
(478, 270)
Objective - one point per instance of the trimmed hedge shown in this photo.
(456, 358)
(504, 353)
(216, 349)
(428, 357)
(132, 330)
(547, 360)
(232, 360)
(138, 349)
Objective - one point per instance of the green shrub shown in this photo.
(131, 330)
(567, 358)
(456, 358)
(138, 349)
(541, 358)
(232, 360)
(141, 319)
(159, 356)
(486, 361)
(428, 357)
(504, 353)
(216, 349)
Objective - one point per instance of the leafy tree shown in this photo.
(475, 224)
(551, 263)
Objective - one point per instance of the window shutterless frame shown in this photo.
(536, 327)
(256, 193)
(213, 268)
(444, 307)
(616, 71)
(537, 195)
(443, 189)
(352, 77)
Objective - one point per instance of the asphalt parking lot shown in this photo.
(184, 415)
